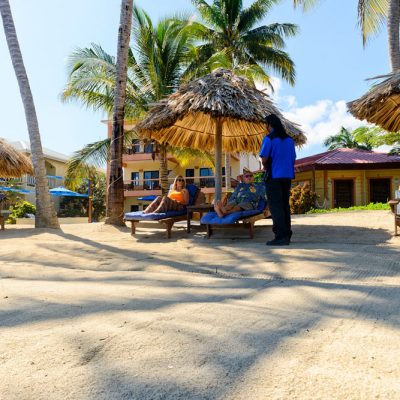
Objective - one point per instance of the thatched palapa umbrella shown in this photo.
(381, 105)
(13, 164)
(219, 111)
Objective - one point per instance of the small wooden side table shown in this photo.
(200, 208)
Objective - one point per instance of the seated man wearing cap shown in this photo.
(246, 196)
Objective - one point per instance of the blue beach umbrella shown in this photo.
(9, 189)
(62, 191)
(147, 198)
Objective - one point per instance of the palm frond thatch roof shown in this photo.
(187, 118)
(13, 164)
(381, 105)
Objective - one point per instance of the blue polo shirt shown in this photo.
(282, 155)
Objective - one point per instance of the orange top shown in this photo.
(177, 196)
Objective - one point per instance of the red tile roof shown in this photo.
(347, 159)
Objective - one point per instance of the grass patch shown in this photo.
(370, 206)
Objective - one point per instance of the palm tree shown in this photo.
(115, 198)
(46, 216)
(228, 37)
(155, 67)
(363, 138)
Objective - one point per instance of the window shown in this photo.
(189, 174)
(134, 208)
(136, 145)
(150, 180)
(206, 182)
(148, 148)
(134, 179)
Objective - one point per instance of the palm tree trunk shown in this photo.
(218, 155)
(227, 171)
(393, 34)
(164, 169)
(115, 199)
(46, 216)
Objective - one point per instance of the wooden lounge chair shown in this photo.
(395, 206)
(237, 220)
(168, 219)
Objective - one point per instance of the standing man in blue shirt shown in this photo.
(278, 155)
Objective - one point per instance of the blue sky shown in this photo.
(330, 61)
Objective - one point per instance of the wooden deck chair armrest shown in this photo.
(393, 204)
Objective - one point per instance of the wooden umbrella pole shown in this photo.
(218, 156)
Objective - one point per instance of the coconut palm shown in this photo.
(115, 198)
(155, 67)
(228, 37)
(46, 216)
(362, 138)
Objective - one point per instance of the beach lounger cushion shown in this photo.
(212, 218)
(140, 216)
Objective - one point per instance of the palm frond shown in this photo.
(254, 13)
(371, 17)
(185, 156)
(306, 4)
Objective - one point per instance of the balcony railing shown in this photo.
(53, 181)
(155, 184)
(136, 149)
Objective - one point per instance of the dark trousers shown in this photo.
(278, 193)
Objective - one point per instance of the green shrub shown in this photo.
(19, 210)
(302, 199)
(370, 206)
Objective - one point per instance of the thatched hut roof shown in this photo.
(381, 105)
(13, 164)
(187, 118)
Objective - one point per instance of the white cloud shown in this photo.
(322, 119)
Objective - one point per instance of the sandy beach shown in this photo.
(91, 312)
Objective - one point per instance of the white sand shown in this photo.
(93, 313)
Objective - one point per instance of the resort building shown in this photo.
(55, 164)
(350, 177)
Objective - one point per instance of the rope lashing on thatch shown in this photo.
(187, 118)
(381, 105)
(13, 164)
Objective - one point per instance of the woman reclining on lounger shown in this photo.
(246, 196)
(177, 199)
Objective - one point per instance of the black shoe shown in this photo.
(279, 242)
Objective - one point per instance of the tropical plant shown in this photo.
(78, 181)
(155, 67)
(228, 37)
(20, 209)
(46, 216)
(363, 138)
(302, 199)
(115, 198)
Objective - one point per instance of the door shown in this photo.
(189, 174)
(206, 182)
(379, 190)
(151, 181)
(343, 193)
